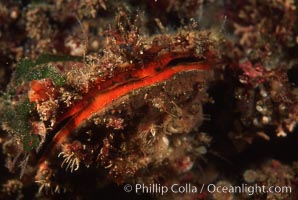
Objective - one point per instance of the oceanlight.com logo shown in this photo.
(210, 188)
(248, 189)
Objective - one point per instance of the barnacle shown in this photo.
(43, 185)
(70, 154)
(47, 187)
(43, 177)
(70, 161)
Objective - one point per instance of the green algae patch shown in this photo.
(17, 112)
(28, 70)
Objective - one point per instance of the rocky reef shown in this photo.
(196, 96)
